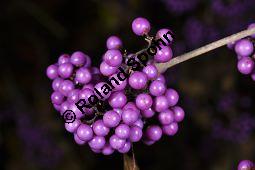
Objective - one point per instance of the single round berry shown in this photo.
(52, 72)
(244, 47)
(118, 99)
(107, 149)
(66, 86)
(141, 26)
(178, 113)
(245, 65)
(153, 132)
(143, 101)
(113, 58)
(148, 113)
(113, 43)
(78, 140)
(73, 96)
(85, 132)
(107, 70)
(136, 134)
(172, 97)
(56, 83)
(245, 165)
(171, 129)
(157, 88)
(160, 103)
(166, 117)
(57, 98)
(138, 80)
(164, 55)
(78, 58)
(65, 70)
(122, 131)
(111, 119)
(97, 142)
(165, 33)
(83, 75)
(99, 128)
(72, 127)
(125, 148)
(64, 58)
(161, 78)
(116, 142)
(130, 116)
(151, 71)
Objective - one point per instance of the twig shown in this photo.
(129, 161)
(162, 67)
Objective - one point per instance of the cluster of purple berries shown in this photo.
(246, 165)
(245, 53)
(139, 108)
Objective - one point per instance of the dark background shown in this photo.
(218, 130)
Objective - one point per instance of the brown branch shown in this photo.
(162, 67)
(129, 161)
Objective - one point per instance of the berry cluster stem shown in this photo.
(162, 67)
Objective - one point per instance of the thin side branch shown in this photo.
(162, 67)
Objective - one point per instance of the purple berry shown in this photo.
(166, 117)
(141, 26)
(245, 65)
(72, 127)
(125, 148)
(113, 43)
(99, 128)
(113, 58)
(160, 34)
(78, 58)
(107, 70)
(83, 75)
(118, 99)
(171, 129)
(78, 140)
(52, 72)
(164, 55)
(148, 113)
(172, 97)
(111, 119)
(138, 80)
(143, 101)
(178, 113)
(64, 58)
(97, 142)
(160, 103)
(85, 132)
(153, 132)
(157, 88)
(136, 134)
(151, 71)
(65, 70)
(122, 131)
(130, 116)
(57, 98)
(244, 47)
(245, 165)
(116, 142)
